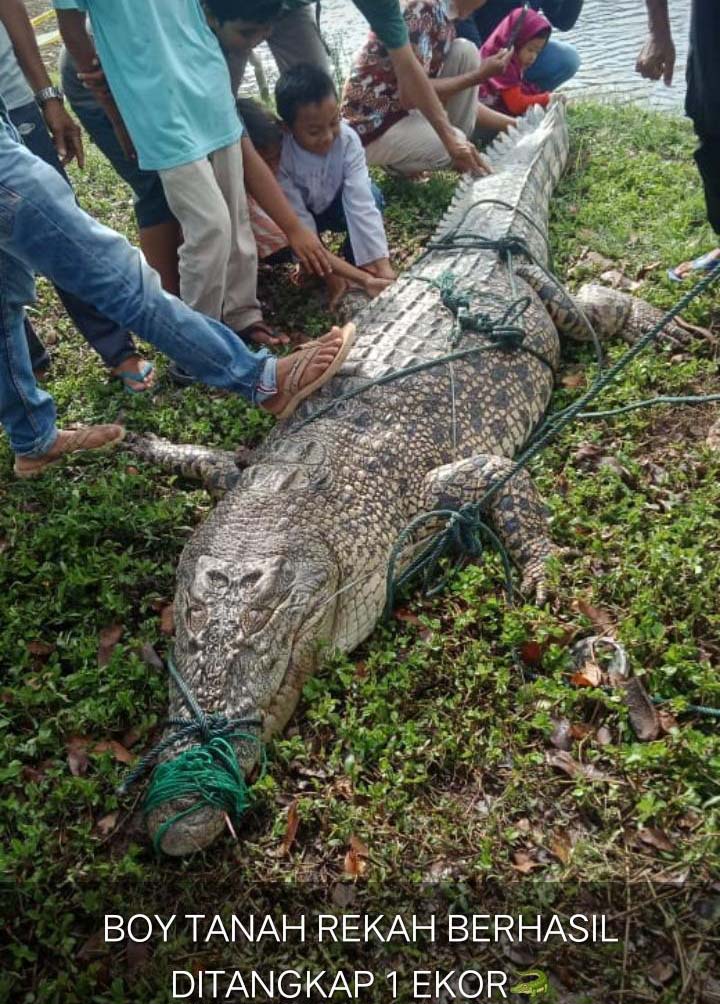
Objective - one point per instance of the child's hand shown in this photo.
(494, 65)
(309, 251)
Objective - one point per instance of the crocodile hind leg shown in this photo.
(611, 312)
(516, 511)
(218, 470)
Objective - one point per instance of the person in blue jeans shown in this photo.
(112, 343)
(558, 62)
(43, 229)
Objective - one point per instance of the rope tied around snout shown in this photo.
(208, 773)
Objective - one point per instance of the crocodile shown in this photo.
(292, 561)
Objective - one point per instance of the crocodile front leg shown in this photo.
(218, 470)
(516, 511)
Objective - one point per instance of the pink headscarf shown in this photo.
(533, 24)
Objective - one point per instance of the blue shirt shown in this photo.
(168, 76)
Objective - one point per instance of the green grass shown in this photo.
(425, 744)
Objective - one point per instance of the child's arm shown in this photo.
(81, 47)
(518, 101)
(65, 133)
(261, 183)
(364, 220)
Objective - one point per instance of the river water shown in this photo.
(608, 37)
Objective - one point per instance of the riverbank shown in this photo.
(423, 757)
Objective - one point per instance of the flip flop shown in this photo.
(304, 356)
(705, 263)
(142, 374)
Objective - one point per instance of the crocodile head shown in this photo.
(252, 613)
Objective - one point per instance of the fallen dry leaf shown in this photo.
(660, 971)
(667, 721)
(40, 650)
(107, 824)
(603, 736)
(580, 730)
(167, 619)
(654, 837)
(117, 749)
(561, 737)
(78, 762)
(355, 863)
(561, 846)
(291, 828)
(523, 863)
(589, 675)
(531, 653)
(137, 954)
(573, 768)
(643, 714)
(599, 618)
(109, 637)
(573, 380)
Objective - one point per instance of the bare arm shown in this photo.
(657, 56)
(416, 91)
(262, 185)
(65, 133)
(75, 36)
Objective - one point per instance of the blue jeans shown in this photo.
(111, 342)
(333, 219)
(43, 229)
(557, 63)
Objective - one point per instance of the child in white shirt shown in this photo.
(323, 171)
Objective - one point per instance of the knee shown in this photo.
(465, 55)
(565, 65)
(214, 242)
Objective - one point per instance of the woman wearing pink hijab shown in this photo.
(526, 32)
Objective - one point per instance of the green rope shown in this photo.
(208, 773)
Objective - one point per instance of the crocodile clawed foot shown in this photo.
(534, 581)
(188, 834)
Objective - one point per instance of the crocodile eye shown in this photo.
(216, 579)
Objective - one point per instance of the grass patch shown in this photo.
(425, 744)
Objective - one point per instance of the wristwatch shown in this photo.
(48, 94)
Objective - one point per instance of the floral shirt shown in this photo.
(371, 103)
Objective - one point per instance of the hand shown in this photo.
(657, 59)
(309, 251)
(95, 80)
(494, 65)
(65, 132)
(466, 159)
(337, 287)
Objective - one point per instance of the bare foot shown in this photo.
(381, 269)
(337, 287)
(260, 334)
(374, 287)
(308, 368)
(136, 373)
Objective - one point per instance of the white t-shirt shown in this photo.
(14, 88)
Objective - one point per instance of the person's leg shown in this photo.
(241, 308)
(409, 147)
(197, 202)
(296, 38)
(702, 105)
(463, 57)
(39, 355)
(557, 63)
(27, 412)
(112, 343)
(42, 227)
(158, 230)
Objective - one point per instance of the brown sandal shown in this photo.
(303, 357)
